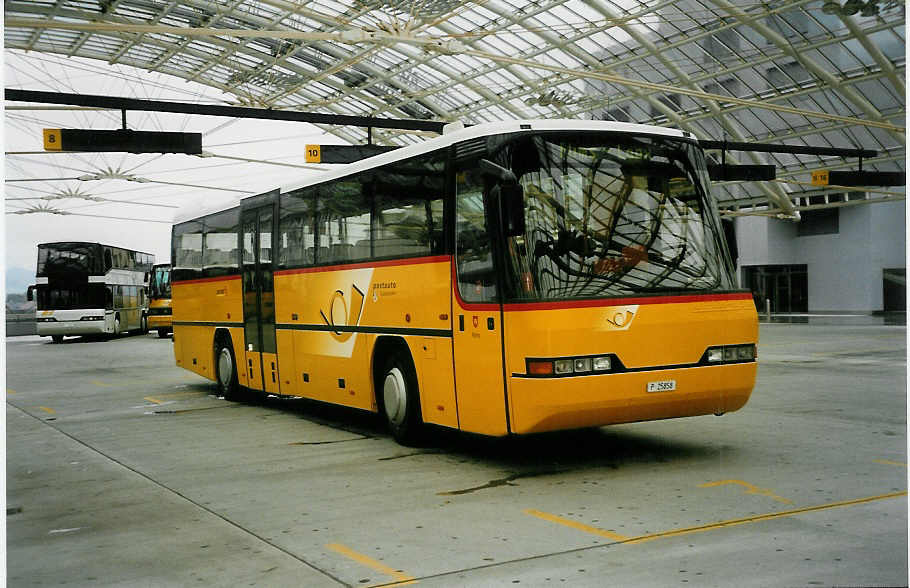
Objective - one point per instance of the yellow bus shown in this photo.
(159, 316)
(500, 279)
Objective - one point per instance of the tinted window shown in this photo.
(409, 201)
(187, 250)
(220, 255)
(343, 215)
(296, 237)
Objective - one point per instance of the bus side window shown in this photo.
(109, 297)
(187, 250)
(296, 236)
(108, 259)
(473, 251)
(408, 207)
(219, 253)
(343, 218)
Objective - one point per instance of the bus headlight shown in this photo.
(572, 366)
(730, 353)
(601, 364)
(564, 366)
(583, 364)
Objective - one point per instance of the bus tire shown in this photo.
(400, 398)
(144, 325)
(162, 333)
(57, 338)
(116, 325)
(225, 368)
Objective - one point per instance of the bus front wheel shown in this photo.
(162, 333)
(401, 400)
(57, 338)
(226, 370)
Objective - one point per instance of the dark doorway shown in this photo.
(786, 286)
(894, 290)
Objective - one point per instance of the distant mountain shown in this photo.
(18, 280)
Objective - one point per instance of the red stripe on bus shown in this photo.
(205, 280)
(365, 264)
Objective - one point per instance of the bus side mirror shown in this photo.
(512, 209)
(29, 294)
(511, 198)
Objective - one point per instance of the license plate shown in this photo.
(662, 386)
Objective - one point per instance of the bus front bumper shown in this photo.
(549, 404)
(71, 328)
(159, 321)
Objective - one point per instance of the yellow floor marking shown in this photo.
(10, 391)
(728, 523)
(575, 525)
(48, 410)
(172, 395)
(750, 489)
(102, 384)
(403, 579)
(889, 462)
(764, 517)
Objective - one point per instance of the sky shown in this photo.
(143, 212)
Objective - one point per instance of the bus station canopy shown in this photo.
(796, 72)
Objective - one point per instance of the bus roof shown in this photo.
(452, 134)
(459, 133)
(64, 243)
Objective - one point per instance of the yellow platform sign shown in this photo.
(52, 140)
(313, 153)
(820, 177)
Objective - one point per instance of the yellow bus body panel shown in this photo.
(402, 299)
(331, 319)
(198, 307)
(652, 337)
(159, 321)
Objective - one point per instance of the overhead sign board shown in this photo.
(343, 153)
(90, 140)
(850, 178)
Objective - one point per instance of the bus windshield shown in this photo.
(72, 297)
(612, 215)
(160, 284)
(69, 258)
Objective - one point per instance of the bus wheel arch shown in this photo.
(225, 364)
(396, 389)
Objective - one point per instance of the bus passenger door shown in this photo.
(477, 328)
(261, 361)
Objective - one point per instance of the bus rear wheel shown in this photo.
(162, 333)
(401, 399)
(57, 338)
(225, 370)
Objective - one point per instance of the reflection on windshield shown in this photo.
(160, 285)
(613, 215)
(77, 296)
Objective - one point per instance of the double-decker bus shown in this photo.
(90, 289)
(160, 299)
(500, 279)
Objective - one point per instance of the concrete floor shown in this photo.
(123, 470)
